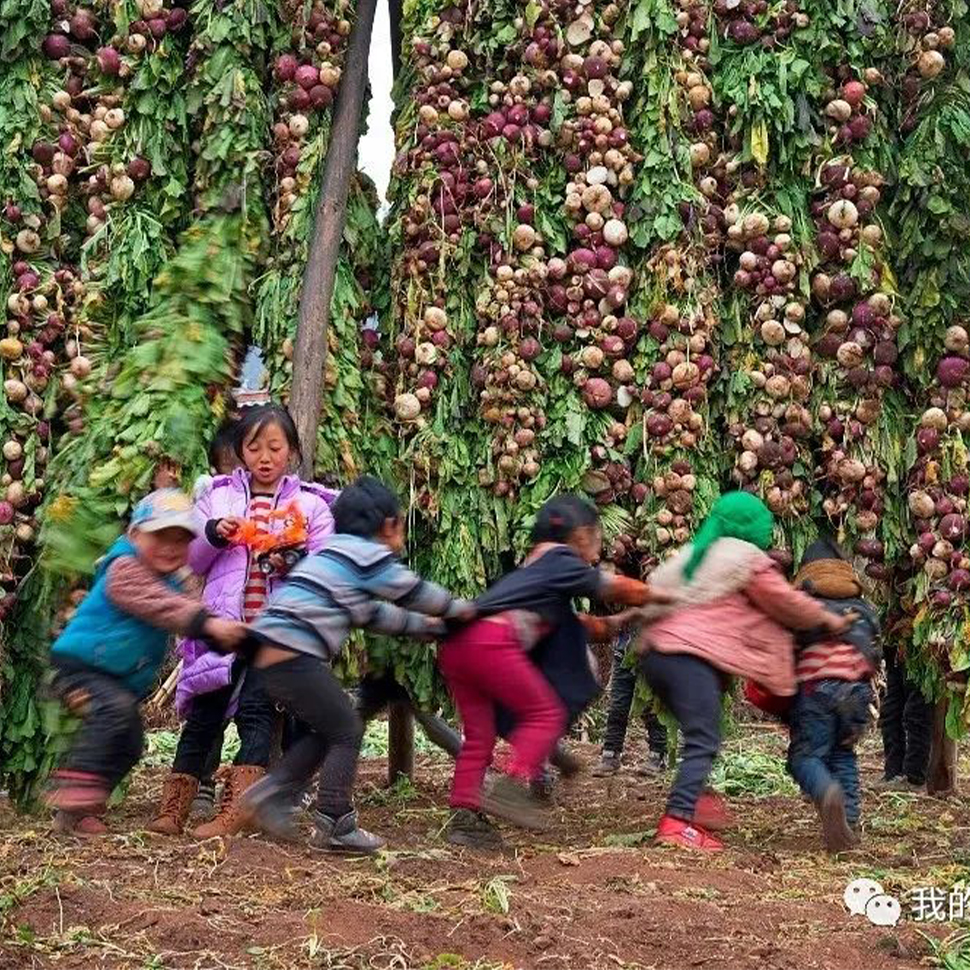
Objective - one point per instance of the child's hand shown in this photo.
(226, 633)
(655, 595)
(839, 624)
(228, 526)
(467, 613)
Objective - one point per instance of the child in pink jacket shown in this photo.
(212, 686)
(733, 616)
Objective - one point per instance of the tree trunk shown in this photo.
(941, 771)
(310, 351)
(400, 741)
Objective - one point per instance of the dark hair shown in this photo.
(560, 517)
(223, 439)
(362, 508)
(254, 419)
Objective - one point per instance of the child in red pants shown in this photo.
(488, 664)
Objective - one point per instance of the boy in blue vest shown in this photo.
(108, 656)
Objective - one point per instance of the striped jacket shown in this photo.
(352, 582)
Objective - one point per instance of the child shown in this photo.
(212, 686)
(223, 460)
(906, 724)
(831, 709)
(355, 581)
(623, 682)
(733, 617)
(488, 665)
(107, 658)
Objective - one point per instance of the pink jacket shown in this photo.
(225, 568)
(737, 615)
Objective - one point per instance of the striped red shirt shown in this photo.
(830, 661)
(257, 582)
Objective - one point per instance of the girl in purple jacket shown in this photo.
(213, 687)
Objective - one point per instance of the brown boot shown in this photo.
(231, 817)
(177, 795)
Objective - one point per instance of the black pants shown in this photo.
(906, 722)
(110, 739)
(307, 689)
(623, 683)
(691, 689)
(207, 718)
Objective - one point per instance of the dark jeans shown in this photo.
(110, 739)
(828, 717)
(906, 723)
(691, 689)
(207, 718)
(307, 689)
(623, 683)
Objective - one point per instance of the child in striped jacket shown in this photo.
(831, 709)
(355, 581)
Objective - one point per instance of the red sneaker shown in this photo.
(712, 813)
(77, 791)
(675, 831)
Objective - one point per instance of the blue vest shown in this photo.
(107, 639)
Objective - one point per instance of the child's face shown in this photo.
(267, 455)
(164, 551)
(587, 540)
(391, 534)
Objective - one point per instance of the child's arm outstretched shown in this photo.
(137, 590)
(406, 589)
(398, 602)
(776, 597)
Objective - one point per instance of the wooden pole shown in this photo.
(941, 771)
(310, 351)
(400, 741)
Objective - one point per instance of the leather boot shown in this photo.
(231, 817)
(177, 795)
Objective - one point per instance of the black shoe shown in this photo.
(609, 764)
(511, 800)
(343, 835)
(543, 787)
(656, 764)
(567, 764)
(472, 829)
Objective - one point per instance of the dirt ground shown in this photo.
(591, 893)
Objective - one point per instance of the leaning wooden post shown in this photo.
(941, 770)
(310, 350)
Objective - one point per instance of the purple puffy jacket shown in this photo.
(225, 569)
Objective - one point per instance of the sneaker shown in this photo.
(899, 783)
(835, 829)
(204, 803)
(472, 829)
(565, 762)
(687, 835)
(609, 764)
(656, 764)
(711, 812)
(270, 806)
(343, 835)
(70, 823)
(511, 800)
(543, 787)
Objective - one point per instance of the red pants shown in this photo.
(484, 666)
